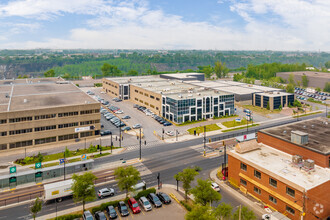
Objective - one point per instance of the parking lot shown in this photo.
(305, 94)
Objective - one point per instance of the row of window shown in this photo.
(45, 128)
(270, 197)
(20, 131)
(272, 182)
(45, 140)
(110, 84)
(146, 103)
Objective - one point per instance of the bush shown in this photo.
(97, 84)
(92, 149)
(103, 206)
(186, 205)
(68, 217)
(144, 193)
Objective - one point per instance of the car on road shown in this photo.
(154, 200)
(145, 204)
(167, 123)
(88, 215)
(170, 133)
(126, 117)
(105, 192)
(105, 132)
(164, 198)
(122, 208)
(100, 216)
(111, 212)
(215, 186)
(132, 203)
(127, 128)
(136, 126)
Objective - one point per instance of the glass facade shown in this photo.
(181, 110)
(277, 102)
(257, 100)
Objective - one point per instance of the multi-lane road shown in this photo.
(166, 159)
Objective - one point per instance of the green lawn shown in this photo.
(200, 129)
(260, 110)
(303, 115)
(233, 123)
(234, 129)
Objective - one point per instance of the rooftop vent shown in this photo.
(25, 100)
(7, 95)
(308, 165)
(299, 137)
(297, 159)
(284, 132)
(312, 126)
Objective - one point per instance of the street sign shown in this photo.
(38, 165)
(84, 157)
(12, 169)
(61, 160)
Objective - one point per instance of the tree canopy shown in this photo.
(220, 69)
(49, 73)
(83, 188)
(186, 177)
(204, 193)
(110, 70)
(36, 207)
(200, 212)
(127, 177)
(246, 214)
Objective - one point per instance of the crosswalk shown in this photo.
(210, 152)
(143, 146)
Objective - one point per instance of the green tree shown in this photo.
(127, 177)
(83, 188)
(220, 69)
(291, 79)
(207, 70)
(66, 76)
(289, 88)
(246, 214)
(268, 107)
(49, 73)
(110, 70)
(327, 87)
(186, 177)
(133, 73)
(238, 77)
(200, 212)
(327, 64)
(67, 152)
(40, 157)
(318, 89)
(305, 81)
(223, 211)
(204, 193)
(36, 207)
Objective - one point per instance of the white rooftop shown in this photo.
(278, 164)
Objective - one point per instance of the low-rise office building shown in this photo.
(34, 113)
(288, 184)
(184, 76)
(274, 100)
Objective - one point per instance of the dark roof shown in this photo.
(318, 130)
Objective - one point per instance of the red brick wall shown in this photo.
(233, 173)
(293, 149)
(318, 195)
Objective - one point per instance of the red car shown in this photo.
(134, 206)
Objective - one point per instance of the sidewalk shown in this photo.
(257, 207)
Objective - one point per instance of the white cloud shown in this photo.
(271, 24)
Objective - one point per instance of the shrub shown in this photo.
(186, 205)
(103, 206)
(97, 84)
(68, 217)
(145, 193)
(92, 149)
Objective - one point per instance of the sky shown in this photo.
(282, 25)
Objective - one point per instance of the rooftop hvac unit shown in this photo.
(198, 94)
(299, 137)
(190, 95)
(297, 159)
(309, 165)
(25, 100)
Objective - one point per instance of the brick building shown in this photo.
(315, 147)
(299, 189)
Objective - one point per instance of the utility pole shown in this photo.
(111, 144)
(25, 153)
(223, 142)
(176, 134)
(240, 212)
(119, 137)
(158, 178)
(163, 131)
(85, 143)
(204, 140)
(140, 144)
(64, 165)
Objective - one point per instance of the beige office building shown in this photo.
(35, 113)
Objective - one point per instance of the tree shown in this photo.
(200, 212)
(304, 80)
(220, 69)
(280, 107)
(327, 64)
(268, 107)
(49, 73)
(67, 152)
(290, 88)
(186, 177)
(127, 177)
(291, 79)
(36, 207)
(83, 188)
(327, 87)
(207, 70)
(204, 193)
(318, 89)
(66, 76)
(40, 157)
(223, 211)
(246, 214)
(133, 73)
(109, 70)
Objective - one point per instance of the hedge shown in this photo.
(68, 217)
(186, 205)
(144, 193)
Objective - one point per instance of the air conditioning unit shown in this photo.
(297, 159)
(309, 165)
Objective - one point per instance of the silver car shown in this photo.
(105, 192)
(145, 204)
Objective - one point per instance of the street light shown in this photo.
(64, 165)
(225, 157)
(204, 140)
(111, 144)
(140, 144)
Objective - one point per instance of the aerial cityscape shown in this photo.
(143, 110)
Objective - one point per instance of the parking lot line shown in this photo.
(131, 213)
(142, 212)
(119, 216)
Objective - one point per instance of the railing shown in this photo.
(20, 198)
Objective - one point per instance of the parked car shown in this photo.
(105, 132)
(154, 200)
(119, 112)
(164, 198)
(145, 204)
(100, 216)
(126, 117)
(167, 123)
(136, 126)
(135, 106)
(122, 208)
(111, 212)
(215, 186)
(88, 215)
(132, 203)
(127, 128)
(170, 133)
(105, 192)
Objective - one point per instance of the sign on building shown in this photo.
(12, 169)
(38, 165)
(82, 129)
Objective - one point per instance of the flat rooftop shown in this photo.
(318, 130)
(279, 165)
(274, 94)
(31, 96)
(136, 79)
(182, 75)
(30, 80)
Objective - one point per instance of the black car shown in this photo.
(122, 208)
(111, 212)
(106, 132)
(154, 200)
(100, 216)
(164, 198)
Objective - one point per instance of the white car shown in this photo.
(119, 112)
(170, 133)
(105, 192)
(215, 186)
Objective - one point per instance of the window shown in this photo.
(14, 120)
(136, 91)
(3, 133)
(257, 174)
(21, 131)
(145, 94)
(38, 117)
(141, 93)
(45, 140)
(52, 127)
(272, 199)
(151, 96)
(290, 191)
(157, 99)
(3, 121)
(152, 106)
(290, 210)
(273, 182)
(3, 146)
(136, 99)
(243, 182)
(257, 190)
(66, 114)
(85, 112)
(243, 167)
(157, 108)
(86, 134)
(20, 144)
(86, 122)
(68, 125)
(146, 103)
(67, 137)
